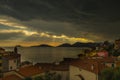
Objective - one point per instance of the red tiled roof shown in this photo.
(53, 66)
(12, 77)
(87, 64)
(45, 66)
(30, 71)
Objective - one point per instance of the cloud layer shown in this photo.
(40, 21)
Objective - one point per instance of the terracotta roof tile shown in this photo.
(53, 66)
(93, 65)
(45, 66)
(12, 77)
(30, 71)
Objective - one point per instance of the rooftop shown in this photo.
(30, 71)
(94, 65)
(61, 67)
(53, 66)
(12, 56)
(12, 77)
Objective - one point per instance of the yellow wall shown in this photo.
(74, 71)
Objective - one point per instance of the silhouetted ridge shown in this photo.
(65, 45)
(79, 44)
(42, 45)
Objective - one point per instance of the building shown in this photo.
(9, 60)
(24, 72)
(0, 65)
(117, 44)
(30, 71)
(1, 52)
(26, 63)
(61, 68)
(90, 68)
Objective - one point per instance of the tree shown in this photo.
(110, 74)
(28, 78)
(39, 78)
(107, 74)
(58, 77)
(117, 74)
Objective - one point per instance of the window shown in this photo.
(10, 67)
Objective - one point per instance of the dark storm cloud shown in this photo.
(84, 17)
(37, 38)
(52, 27)
(68, 10)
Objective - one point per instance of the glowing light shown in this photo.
(11, 24)
(43, 34)
(24, 29)
(80, 39)
(27, 33)
(72, 39)
(10, 31)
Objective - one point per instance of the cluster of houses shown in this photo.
(81, 68)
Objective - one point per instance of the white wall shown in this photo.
(13, 64)
(74, 71)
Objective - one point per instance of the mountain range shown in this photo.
(77, 44)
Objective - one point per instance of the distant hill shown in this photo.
(79, 44)
(42, 45)
(65, 45)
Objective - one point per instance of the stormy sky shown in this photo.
(33, 22)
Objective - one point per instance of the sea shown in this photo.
(47, 54)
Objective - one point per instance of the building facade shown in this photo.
(0, 65)
(117, 44)
(90, 68)
(77, 73)
(1, 61)
(11, 62)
